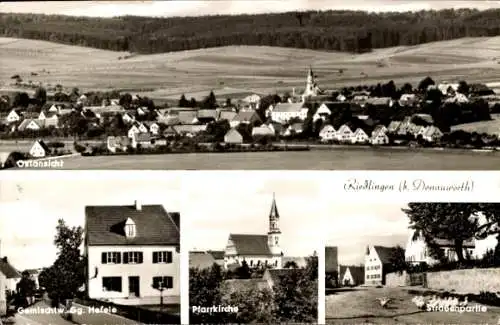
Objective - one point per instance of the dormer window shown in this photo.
(130, 228)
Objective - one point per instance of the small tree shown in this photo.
(183, 102)
(397, 260)
(40, 95)
(244, 271)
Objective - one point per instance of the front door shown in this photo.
(133, 286)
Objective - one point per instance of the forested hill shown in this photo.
(352, 31)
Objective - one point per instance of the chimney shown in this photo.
(138, 205)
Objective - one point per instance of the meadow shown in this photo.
(239, 70)
(360, 306)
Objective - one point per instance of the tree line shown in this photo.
(351, 31)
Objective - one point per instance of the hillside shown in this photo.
(347, 31)
(243, 69)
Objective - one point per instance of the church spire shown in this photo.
(274, 209)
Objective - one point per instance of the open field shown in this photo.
(360, 306)
(243, 69)
(296, 160)
(490, 127)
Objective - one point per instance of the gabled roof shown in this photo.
(357, 272)
(187, 117)
(155, 226)
(227, 115)
(201, 261)
(288, 107)
(42, 144)
(384, 253)
(8, 270)
(331, 258)
(277, 274)
(251, 244)
(218, 255)
(207, 114)
(246, 116)
(143, 137)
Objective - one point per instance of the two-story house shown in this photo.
(132, 252)
(417, 250)
(377, 264)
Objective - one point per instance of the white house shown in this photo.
(3, 298)
(417, 250)
(152, 127)
(132, 251)
(432, 134)
(257, 250)
(377, 259)
(263, 130)
(360, 136)
(136, 129)
(39, 149)
(50, 118)
(351, 275)
(128, 118)
(344, 134)
(327, 133)
(13, 116)
(283, 112)
(30, 124)
(11, 275)
(322, 112)
(379, 136)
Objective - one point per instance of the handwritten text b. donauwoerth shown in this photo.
(405, 185)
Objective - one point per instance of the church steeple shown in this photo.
(274, 230)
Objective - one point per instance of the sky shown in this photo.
(241, 205)
(31, 208)
(197, 8)
(352, 228)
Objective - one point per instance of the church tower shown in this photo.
(274, 234)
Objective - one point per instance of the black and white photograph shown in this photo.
(413, 263)
(218, 85)
(253, 250)
(89, 250)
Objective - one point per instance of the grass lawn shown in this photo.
(360, 306)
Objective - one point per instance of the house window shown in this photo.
(111, 258)
(130, 230)
(276, 240)
(162, 257)
(165, 282)
(132, 258)
(112, 283)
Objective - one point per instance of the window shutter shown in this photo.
(118, 258)
(169, 257)
(125, 258)
(104, 258)
(139, 258)
(170, 281)
(155, 257)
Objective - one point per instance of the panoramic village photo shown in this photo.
(313, 85)
(81, 245)
(414, 263)
(253, 253)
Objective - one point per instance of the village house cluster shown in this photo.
(258, 251)
(379, 260)
(249, 119)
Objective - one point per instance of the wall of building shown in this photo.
(253, 261)
(145, 271)
(471, 281)
(3, 298)
(373, 269)
(395, 280)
